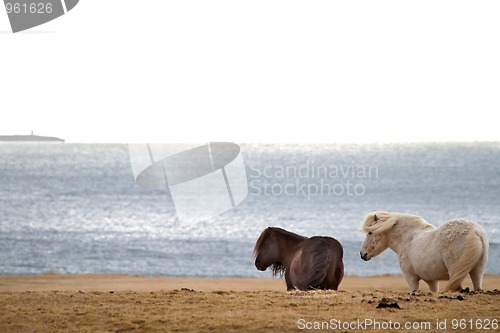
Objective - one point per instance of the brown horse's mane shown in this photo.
(278, 267)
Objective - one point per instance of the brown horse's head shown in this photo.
(267, 252)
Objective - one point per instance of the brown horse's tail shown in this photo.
(473, 252)
(319, 268)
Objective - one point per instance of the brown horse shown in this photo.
(307, 263)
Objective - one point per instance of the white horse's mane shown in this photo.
(380, 221)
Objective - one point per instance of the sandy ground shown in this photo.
(141, 283)
(94, 282)
(119, 303)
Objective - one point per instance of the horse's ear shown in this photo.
(375, 218)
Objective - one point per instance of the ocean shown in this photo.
(76, 208)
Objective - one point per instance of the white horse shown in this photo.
(450, 252)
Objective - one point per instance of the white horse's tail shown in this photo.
(474, 251)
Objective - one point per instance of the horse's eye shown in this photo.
(369, 233)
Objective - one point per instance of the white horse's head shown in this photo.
(378, 226)
(375, 227)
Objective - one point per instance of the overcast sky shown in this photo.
(256, 71)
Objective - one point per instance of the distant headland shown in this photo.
(29, 138)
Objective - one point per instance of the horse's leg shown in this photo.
(288, 280)
(433, 285)
(412, 280)
(329, 280)
(476, 275)
(337, 278)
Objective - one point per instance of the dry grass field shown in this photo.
(114, 303)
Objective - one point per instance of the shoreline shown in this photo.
(122, 282)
